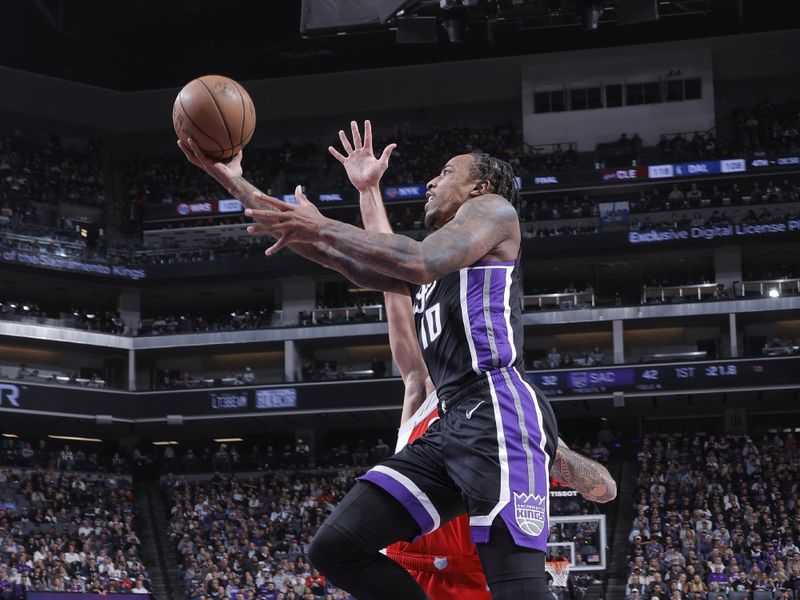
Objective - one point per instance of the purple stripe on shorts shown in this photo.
(479, 534)
(526, 513)
(404, 496)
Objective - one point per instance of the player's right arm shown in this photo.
(584, 475)
(365, 171)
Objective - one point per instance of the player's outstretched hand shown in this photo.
(224, 173)
(363, 168)
(289, 223)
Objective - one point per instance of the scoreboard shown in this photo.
(672, 377)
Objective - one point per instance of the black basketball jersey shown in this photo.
(470, 322)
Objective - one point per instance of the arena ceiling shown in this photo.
(143, 44)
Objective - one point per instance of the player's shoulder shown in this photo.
(490, 206)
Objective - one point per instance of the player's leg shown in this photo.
(405, 496)
(512, 571)
(346, 549)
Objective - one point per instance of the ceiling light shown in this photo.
(773, 293)
(10, 435)
(226, 440)
(74, 438)
(166, 443)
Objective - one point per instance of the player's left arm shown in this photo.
(586, 476)
(479, 226)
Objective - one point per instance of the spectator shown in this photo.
(302, 452)
(553, 358)
(248, 377)
(694, 196)
(66, 459)
(55, 554)
(380, 451)
(597, 356)
(308, 372)
(676, 197)
(721, 292)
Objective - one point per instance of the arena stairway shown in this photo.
(157, 553)
(617, 562)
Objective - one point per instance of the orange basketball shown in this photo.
(217, 113)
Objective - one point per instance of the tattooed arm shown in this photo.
(588, 477)
(382, 261)
(479, 228)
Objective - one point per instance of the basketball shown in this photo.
(217, 113)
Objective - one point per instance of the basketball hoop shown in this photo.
(559, 571)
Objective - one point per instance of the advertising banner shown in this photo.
(712, 232)
(250, 401)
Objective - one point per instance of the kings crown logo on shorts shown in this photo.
(529, 511)
(440, 562)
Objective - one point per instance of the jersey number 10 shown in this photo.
(430, 326)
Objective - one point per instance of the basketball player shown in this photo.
(445, 562)
(490, 452)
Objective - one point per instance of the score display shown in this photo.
(673, 377)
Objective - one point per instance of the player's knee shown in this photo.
(329, 550)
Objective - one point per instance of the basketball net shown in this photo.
(559, 571)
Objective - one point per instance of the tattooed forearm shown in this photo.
(320, 252)
(478, 227)
(395, 256)
(588, 477)
(245, 191)
(325, 255)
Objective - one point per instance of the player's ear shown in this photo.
(482, 187)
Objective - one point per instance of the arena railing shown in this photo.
(787, 348)
(675, 356)
(560, 300)
(50, 376)
(533, 149)
(348, 312)
(683, 292)
(687, 135)
(764, 286)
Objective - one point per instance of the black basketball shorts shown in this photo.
(488, 455)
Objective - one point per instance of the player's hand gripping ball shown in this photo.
(217, 113)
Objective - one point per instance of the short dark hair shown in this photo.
(499, 174)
